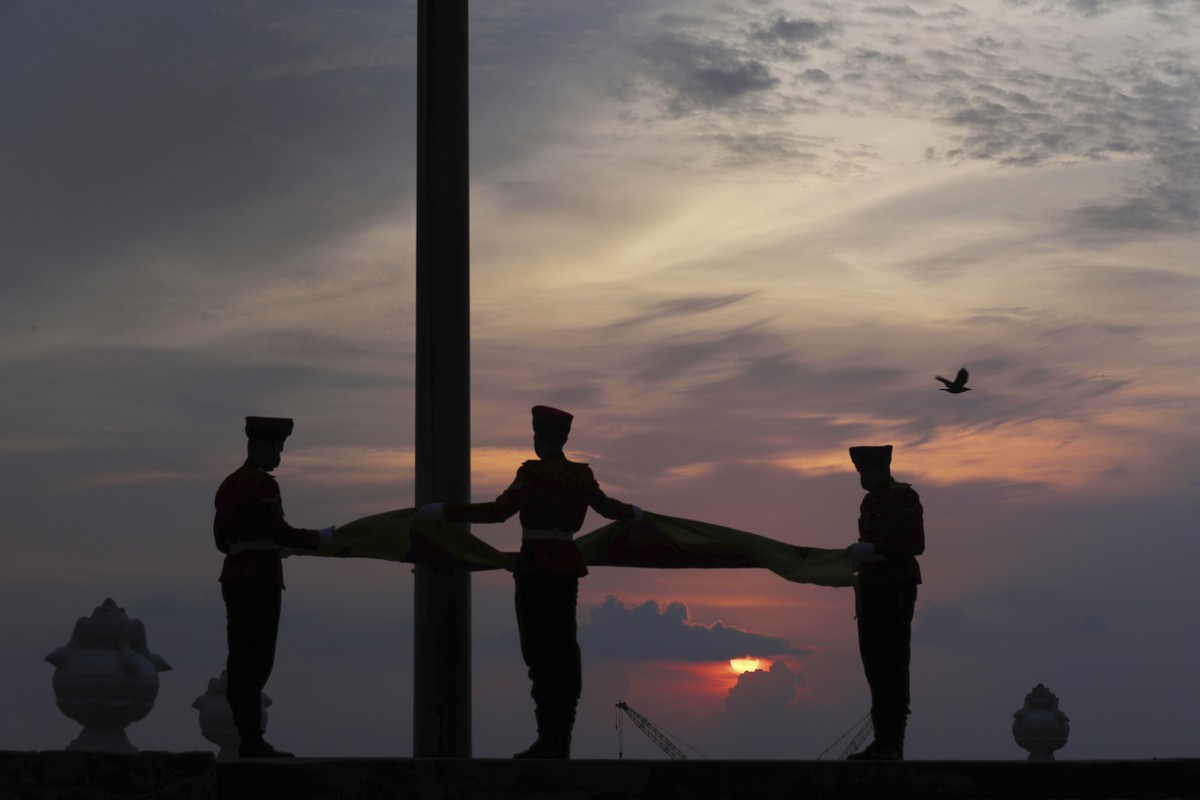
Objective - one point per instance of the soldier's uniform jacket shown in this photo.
(250, 510)
(894, 522)
(551, 495)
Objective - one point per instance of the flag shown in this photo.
(656, 541)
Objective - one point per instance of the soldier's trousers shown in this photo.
(252, 625)
(884, 635)
(546, 621)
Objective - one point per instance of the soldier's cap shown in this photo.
(871, 456)
(270, 429)
(551, 421)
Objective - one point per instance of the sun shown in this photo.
(744, 664)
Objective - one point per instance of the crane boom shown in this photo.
(856, 743)
(647, 727)
(861, 730)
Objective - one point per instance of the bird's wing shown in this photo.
(961, 378)
(943, 380)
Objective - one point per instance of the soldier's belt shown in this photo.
(538, 534)
(252, 544)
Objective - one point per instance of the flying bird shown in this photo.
(958, 385)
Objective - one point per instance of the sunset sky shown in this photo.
(732, 237)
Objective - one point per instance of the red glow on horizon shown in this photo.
(685, 683)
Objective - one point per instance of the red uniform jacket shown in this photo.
(249, 508)
(550, 495)
(894, 522)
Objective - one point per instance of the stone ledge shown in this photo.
(69, 775)
(197, 776)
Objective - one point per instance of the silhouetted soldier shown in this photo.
(552, 495)
(891, 534)
(250, 529)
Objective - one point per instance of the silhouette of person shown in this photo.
(891, 534)
(249, 527)
(552, 496)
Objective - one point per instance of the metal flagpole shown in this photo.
(442, 637)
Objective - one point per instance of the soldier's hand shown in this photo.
(326, 536)
(863, 551)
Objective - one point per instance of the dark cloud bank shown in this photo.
(650, 631)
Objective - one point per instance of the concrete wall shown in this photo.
(60, 775)
(196, 776)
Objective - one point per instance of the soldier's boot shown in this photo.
(541, 744)
(554, 735)
(563, 725)
(260, 748)
(868, 752)
(894, 749)
(887, 746)
(253, 745)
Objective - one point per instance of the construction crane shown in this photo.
(647, 727)
(865, 729)
(856, 743)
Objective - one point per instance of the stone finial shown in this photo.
(106, 678)
(216, 717)
(1040, 727)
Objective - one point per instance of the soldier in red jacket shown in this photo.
(250, 529)
(552, 496)
(891, 534)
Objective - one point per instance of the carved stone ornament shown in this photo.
(216, 718)
(1040, 727)
(106, 678)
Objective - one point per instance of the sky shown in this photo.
(733, 238)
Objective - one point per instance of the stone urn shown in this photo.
(1040, 727)
(216, 718)
(106, 678)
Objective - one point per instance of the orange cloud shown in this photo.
(1061, 454)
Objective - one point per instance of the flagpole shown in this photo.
(442, 595)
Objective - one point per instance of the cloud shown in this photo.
(696, 75)
(759, 720)
(173, 135)
(696, 386)
(893, 11)
(777, 148)
(763, 693)
(1167, 9)
(698, 354)
(791, 31)
(648, 631)
(1170, 207)
(981, 94)
(684, 306)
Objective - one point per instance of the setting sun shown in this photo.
(745, 664)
